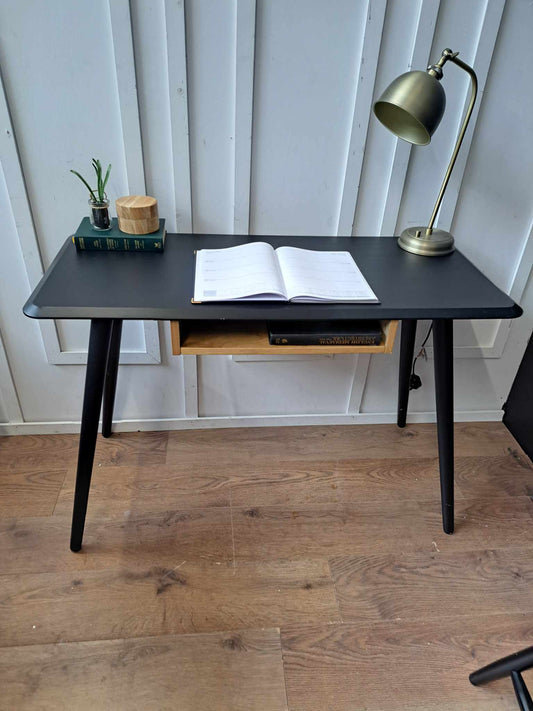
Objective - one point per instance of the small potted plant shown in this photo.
(98, 202)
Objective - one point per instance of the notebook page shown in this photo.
(311, 275)
(248, 271)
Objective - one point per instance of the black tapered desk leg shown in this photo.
(92, 403)
(407, 347)
(443, 356)
(110, 382)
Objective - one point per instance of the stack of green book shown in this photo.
(113, 240)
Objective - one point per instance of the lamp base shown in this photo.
(438, 243)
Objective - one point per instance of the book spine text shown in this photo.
(324, 340)
(121, 244)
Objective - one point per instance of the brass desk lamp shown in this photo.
(412, 107)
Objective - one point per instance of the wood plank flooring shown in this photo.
(271, 569)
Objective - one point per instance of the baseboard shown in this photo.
(364, 418)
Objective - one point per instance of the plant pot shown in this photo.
(99, 215)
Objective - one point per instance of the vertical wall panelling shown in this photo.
(425, 29)
(427, 18)
(306, 171)
(190, 385)
(517, 290)
(480, 59)
(179, 113)
(119, 11)
(364, 89)
(29, 244)
(149, 356)
(20, 205)
(255, 115)
(244, 99)
(306, 57)
(360, 373)
(8, 393)
(477, 339)
(210, 38)
(179, 122)
(120, 19)
(151, 75)
(524, 267)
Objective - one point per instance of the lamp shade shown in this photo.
(412, 106)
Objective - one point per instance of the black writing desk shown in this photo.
(110, 287)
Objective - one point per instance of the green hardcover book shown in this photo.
(87, 239)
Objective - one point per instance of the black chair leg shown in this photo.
(110, 382)
(92, 403)
(407, 347)
(443, 357)
(511, 666)
(522, 694)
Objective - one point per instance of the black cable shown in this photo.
(415, 381)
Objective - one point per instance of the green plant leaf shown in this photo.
(98, 169)
(102, 193)
(107, 176)
(93, 197)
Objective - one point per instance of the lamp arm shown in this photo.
(473, 94)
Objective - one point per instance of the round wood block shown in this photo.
(137, 214)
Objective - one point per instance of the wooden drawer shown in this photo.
(251, 338)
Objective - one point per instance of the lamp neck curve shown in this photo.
(447, 54)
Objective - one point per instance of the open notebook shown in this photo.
(258, 272)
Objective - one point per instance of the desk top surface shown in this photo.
(152, 285)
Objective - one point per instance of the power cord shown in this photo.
(415, 381)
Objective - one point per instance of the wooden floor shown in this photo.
(264, 569)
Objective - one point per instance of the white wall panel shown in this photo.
(407, 25)
(245, 23)
(53, 393)
(495, 207)
(362, 112)
(3, 412)
(176, 50)
(305, 80)
(211, 86)
(45, 392)
(9, 403)
(64, 105)
(64, 108)
(74, 336)
(149, 43)
(313, 386)
(55, 197)
(256, 114)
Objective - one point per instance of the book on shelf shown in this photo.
(113, 240)
(325, 333)
(258, 272)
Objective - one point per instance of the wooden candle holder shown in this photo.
(137, 214)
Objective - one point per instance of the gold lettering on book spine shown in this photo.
(347, 341)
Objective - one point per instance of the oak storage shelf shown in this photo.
(251, 338)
